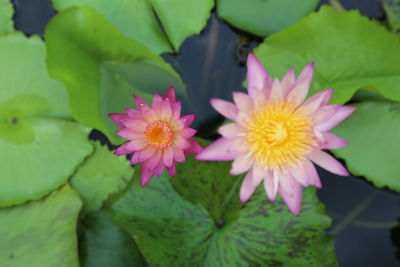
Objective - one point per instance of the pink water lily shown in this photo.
(158, 135)
(276, 134)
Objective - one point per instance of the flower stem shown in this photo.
(336, 5)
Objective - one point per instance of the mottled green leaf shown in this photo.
(196, 219)
(264, 17)
(182, 18)
(6, 14)
(102, 68)
(39, 147)
(138, 19)
(41, 233)
(350, 52)
(102, 174)
(374, 150)
(104, 245)
(392, 10)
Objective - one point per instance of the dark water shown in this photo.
(366, 220)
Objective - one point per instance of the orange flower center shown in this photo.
(159, 134)
(279, 135)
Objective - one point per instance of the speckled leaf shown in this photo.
(374, 150)
(196, 219)
(350, 52)
(101, 175)
(6, 14)
(104, 245)
(100, 66)
(264, 17)
(392, 10)
(41, 233)
(39, 146)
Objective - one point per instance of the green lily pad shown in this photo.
(182, 18)
(196, 219)
(103, 244)
(101, 175)
(6, 14)
(41, 233)
(137, 19)
(264, 17)
(40, 148)
(23, 75)
(350, 53)
(374, 150)
(392, 10)
(100, 66)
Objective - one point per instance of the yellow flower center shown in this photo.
(159, 134)
(279, 135)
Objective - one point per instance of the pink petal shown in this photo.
(136, 125)
(187, 132)
(218, 151)
(276, 90)
(178, 125)
(243, 101)
(159, 169)
(256, 74)
(302, 85)
(172, 170)
(140, 103)
(327, 162)
(135, 158)
(241, 164)
(307, 175)
(133, 114)
(340, 115)
(118, 118)
(148, 114)
(136, 144)
(170, 95)
(146, 153)
(260, 97)
(225, 108)
(168, 157)
(166, 111)
(291, 192)
(179, 156)
(230, 130)
(331, 141)
(126, 133)
(176, 110)
(271, 185)
(188, 119)
(146, 174)
(288, 82)
(157, 100)
(154, 160)
(181, 142)
(249, 185)
(312, 104)
(123, 150)
(324, 114)
(194, 147)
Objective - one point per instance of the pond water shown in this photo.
(366, 220)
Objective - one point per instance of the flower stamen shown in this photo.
(279, 135)
(159, 134)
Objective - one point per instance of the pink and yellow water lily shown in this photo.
(275, 134)
(158, 135)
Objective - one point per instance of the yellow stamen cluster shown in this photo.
(159, 134)
(279, 135)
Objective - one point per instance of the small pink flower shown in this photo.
(157, 135)
(275, 134)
